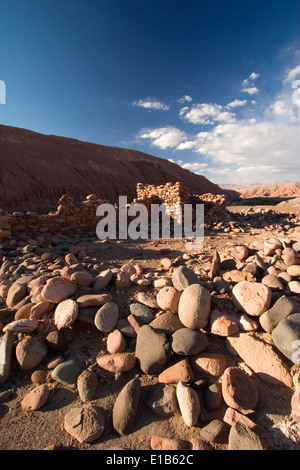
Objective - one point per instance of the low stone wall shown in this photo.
(79, 217)
(70, 216)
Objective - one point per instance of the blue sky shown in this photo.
(205, 83)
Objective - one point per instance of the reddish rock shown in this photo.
(252, 298)
(122, 362)
(65, 313)
(24, 311)
(209, 363)
(222, 325)
(70, 258)
(122, 281)
(39, 376)
(215, 266)
(58, 289)
(168, 299)
(39, 309)
(179, 372)
(262, 358)
(115, 342)
(85, 423)
(147, 298)
(36, 398)
(165, 443)
(233, 416)
(166, 263)
(239, 390)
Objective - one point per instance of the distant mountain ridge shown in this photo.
(280, 190)
(36, 169)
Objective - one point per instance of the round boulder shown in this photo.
(194, 306)
(187, 341)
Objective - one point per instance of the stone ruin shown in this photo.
(80, 217)
(177, 195)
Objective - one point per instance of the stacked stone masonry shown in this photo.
(80, 217)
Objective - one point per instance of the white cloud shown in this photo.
(263, 147)
(237, 103)
(163, 137)
(150, 103)
(207, 113)
(185, 98)
(195, 167)
(183, 110)
(283, 108)
(292, 74)
(251, 90)
(259, 143)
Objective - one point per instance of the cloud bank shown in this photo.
(260, 144)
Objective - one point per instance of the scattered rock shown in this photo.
(58, 289)
(142, 312)
(181, 371)
(168, 299)
(252, 298)
(30, 352)
(65, 313)
(119, 362)
(36, 398)
(194, 306)
(93, 300)
(286, 337)
(262, 359)
(24, 325)
(57, 340)
(209, 363)
(243, 438)
(107, 317)
(152, 350)
(87, 383)
(183, 277)
(85, 423)
(216, 431)
(66, 372)
(147, 299)
(186, 341)
(161, 399)
(126, 406)
(222, 325)
(280, 310)
(115, 342)
(238, 390)
(166, 323)
(15, 294)
(189, 404)
(102, 280)
(165, 443)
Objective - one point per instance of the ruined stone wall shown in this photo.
(70, 216)
(79, 217)
(177, 194)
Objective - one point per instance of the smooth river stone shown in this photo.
(189, 403)
(194, 306)
(126, 406)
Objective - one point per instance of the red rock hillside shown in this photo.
(37, 169)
